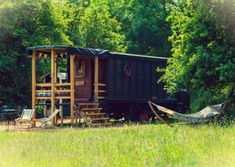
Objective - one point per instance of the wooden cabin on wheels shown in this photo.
(100, 83)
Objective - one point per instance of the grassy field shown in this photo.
(143, 145)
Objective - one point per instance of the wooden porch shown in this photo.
(55, 92)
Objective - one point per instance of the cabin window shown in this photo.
(80, 69)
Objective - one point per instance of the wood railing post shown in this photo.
(72, 57)
(55, 81)
(34, 85)
(52, 81)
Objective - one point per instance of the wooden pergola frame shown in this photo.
(53, 85)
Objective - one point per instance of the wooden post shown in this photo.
(55, 81)
(96, 79)
(52, 81)
(61, 108)
(56, 72)
(34, 85)
(72, 57)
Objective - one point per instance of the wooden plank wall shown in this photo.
(140, 85)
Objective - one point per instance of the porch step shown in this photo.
(77, 100)
(91, 109)
(101, 97)
(100, 119)
(93, 114)
(88, 104)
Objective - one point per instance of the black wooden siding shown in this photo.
(141, 85)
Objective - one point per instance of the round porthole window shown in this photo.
(127, 70)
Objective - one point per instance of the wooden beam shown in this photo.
(63, 91)
(43, 98)
(52, 81)
(96, 79)
(43, 91)
(61, 106)
(101, 84)
(72, 69)
(62, 97)
(44, 85)
(55, 81)
(102, 91)
(55, 69)
(34, 85)
(63, 84)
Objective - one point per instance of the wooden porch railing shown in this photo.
(101, 94)
(61, 91)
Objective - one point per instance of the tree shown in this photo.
(26, 23)
(144, 25)
(202, 48)
(94, 26)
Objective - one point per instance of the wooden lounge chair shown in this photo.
(45, 121)
(204, 115)
(25, 118)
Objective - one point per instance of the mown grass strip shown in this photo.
(147, 145)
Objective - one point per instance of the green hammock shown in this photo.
(202, 116)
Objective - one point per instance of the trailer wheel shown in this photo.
(137, 113)
(144, 116)
(134, 112)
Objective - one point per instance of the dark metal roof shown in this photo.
(86, 51)
(137, 55)
(46, 47)
(71, 50)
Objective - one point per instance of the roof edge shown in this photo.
(90, 51)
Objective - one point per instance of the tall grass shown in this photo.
(146, 145)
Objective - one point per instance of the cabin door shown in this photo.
(83, 79)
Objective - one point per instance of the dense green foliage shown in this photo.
(144, 25)
(203, 39)
(22, 24)
(151, 145)
(198, 35)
